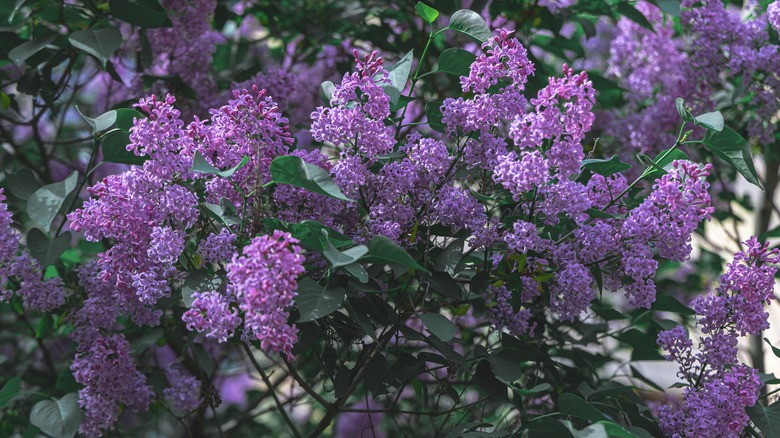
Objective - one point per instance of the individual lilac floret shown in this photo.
(111, 381)
(264, 280)
(211, 313)
(217, 247)
(183, 396)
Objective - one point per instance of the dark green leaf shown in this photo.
(735, 150)
(434, 116)
(439, 325)
(198, 281)
(766, 418)
(628, 10)
(140, 13)
(315, 301)
(44, 250)
(23, 183)
(605, 429)
(671, 7)
(775, 350)
(605, 167)
(114, 146)
(100, 43)
(506, 365)
(9, 391)
(46, 202)
(547, 428)
(455, 61)
(444, 284)
(310, 234)
(326, 91)
(399, 74)
(343, 258)
(358, 271)
(293, 170)
(684, 113)
(542, 387)
(376, 370)
(101, 122)
(20, 53)
(487, 381)
(450, 256)
(383, 250)
(125, 116)
(427, 13)
(58, 418)
(662, 165)
(592, 212)
(225, 215)
(200, 165)
(576, 406)
(470, 23)
(668, 303)
(713, 120)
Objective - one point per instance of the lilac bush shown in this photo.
(437, 250)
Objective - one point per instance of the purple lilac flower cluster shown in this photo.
(110, 378)
(658, 66)
(148, 212)
(250, 125)
(719, 387)
(725, 42)
(210, 312)
(36, 293)
(264, 280)
(186, 48)
(652, 66)
(183, 396)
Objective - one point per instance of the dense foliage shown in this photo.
(305, 218)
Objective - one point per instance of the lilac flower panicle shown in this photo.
(773, 15)
(37, 293)
(503, 58)
(719, 387)
(217, 247)
(503, 316)
(211, 313)
(358, 118)
(110, 378)
(264, 280)
(183, 396)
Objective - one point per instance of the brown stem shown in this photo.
(279, 404)
(357, 373)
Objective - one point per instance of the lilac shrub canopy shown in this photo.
(424, 236)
